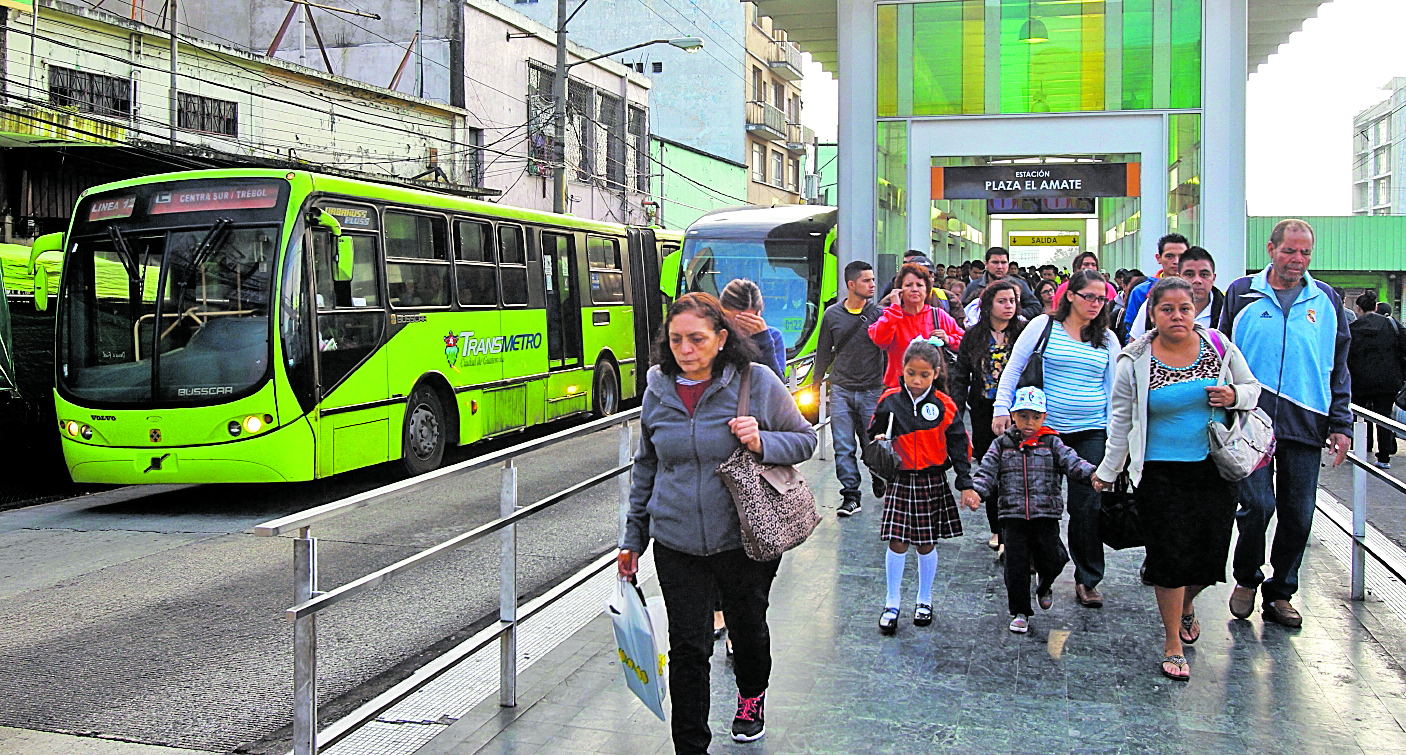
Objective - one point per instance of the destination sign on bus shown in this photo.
(112, 207)
(249, 197)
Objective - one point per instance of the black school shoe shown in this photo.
(849, 507)
(750, 722)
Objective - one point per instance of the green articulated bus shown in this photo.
(269, 325)
(788, 250)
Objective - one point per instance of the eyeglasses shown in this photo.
(1092, 298)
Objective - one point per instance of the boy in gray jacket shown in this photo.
(1023, 469)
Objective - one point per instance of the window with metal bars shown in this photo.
(475, 155)
(207, 114)
(90, 92)
(581, 130)
(639, 142)
(541, 131)
(611, 136)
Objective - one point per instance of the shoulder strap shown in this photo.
(744, 392)
(1044, 339)
(1214, 336)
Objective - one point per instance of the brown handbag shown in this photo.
(774, 504)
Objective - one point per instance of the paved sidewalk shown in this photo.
(1082, 681)
(29, 742)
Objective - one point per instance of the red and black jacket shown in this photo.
(925, 435)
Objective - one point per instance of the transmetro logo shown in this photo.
(472, 351)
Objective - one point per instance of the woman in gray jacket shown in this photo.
(1167, 389)
(688, 426)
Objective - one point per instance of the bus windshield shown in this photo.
(782, 268)
(166, 315)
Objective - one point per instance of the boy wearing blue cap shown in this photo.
(1023, 469)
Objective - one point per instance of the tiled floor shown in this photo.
(1082, 681)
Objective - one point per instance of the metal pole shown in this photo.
(1360, 428)
(507, 590)
(304, 646)
(627, 453)
(33, 35)
(825, 436)
(420, 48)
(559, 114)
(175, 99)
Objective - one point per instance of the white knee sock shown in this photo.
(927, 571)
(893, 571)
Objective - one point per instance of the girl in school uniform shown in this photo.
(919, 507)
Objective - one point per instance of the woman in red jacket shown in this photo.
(911, 318)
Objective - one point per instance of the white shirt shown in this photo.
(972, 313)
(1203, 318)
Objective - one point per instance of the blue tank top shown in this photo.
(1178, 410)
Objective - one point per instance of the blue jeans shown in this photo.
(1295, 475)
(1085, 545)
(850, 412)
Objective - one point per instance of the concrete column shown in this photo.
(1223, 75)
(858, 130)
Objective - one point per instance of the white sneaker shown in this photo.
(1020, 624)
(1383, 464)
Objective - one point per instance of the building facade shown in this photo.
(94, 103)
(777, 142)
(1379, 155)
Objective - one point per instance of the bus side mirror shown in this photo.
(49, 242)
(345, 254)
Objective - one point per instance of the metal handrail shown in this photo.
(350, 503)
(1363, 542)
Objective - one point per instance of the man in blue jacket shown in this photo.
(1291, 330)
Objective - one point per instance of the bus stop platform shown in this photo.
(1082, 681)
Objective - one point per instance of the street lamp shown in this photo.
(687, 44)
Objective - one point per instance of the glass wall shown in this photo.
(969, 57)
(891, 227)
(1184, 176)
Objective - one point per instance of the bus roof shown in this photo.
(781, 221)
(319, 182)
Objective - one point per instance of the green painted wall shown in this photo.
(1353, 252)
(688, 183)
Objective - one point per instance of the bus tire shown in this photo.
(605, 389)
(423, 438)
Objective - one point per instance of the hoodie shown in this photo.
(676, 496)
(1025, 475)
(895, 329)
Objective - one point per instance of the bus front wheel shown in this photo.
(424, 432)
(605, 393)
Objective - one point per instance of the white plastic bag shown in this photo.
(1398, 414)
(639, 639)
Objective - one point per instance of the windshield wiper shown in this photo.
(219, 230)
(129, 260)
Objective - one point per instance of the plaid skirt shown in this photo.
(919, 509)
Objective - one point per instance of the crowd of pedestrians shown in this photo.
(1029, 387)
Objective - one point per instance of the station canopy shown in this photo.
(811, 24)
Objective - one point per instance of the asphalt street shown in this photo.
(158, 619)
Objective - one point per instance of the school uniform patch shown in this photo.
(930, 412)
(1312, 316)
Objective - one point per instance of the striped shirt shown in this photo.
(1075, 391)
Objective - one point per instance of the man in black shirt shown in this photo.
(856, 369)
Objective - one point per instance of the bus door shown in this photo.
(559, 273)
(645, 258)
(353, 421)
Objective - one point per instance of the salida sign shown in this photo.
(1051, 180)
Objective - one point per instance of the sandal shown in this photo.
(1189, 623)
(1181, 670)
(888, 621)
(922, 615)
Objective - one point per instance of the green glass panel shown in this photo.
(888, 61)
(1137, 54)
(1015, 57)
(1186, 54)
(1184, 176)
(891, 228)
(939, 59)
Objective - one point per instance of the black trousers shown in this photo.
(689, 584)
(980, 417)
(1026, 539)
(1381, 403)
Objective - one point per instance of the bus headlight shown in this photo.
(253, 424)
(86, 432)
(805, 399)
(72, 428)
(233, 428)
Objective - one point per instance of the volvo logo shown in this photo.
(155, 435)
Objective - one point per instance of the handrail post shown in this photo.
(627, 454)
(304, 646)
(1360, 428)
(507, 590)
(823, 396)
